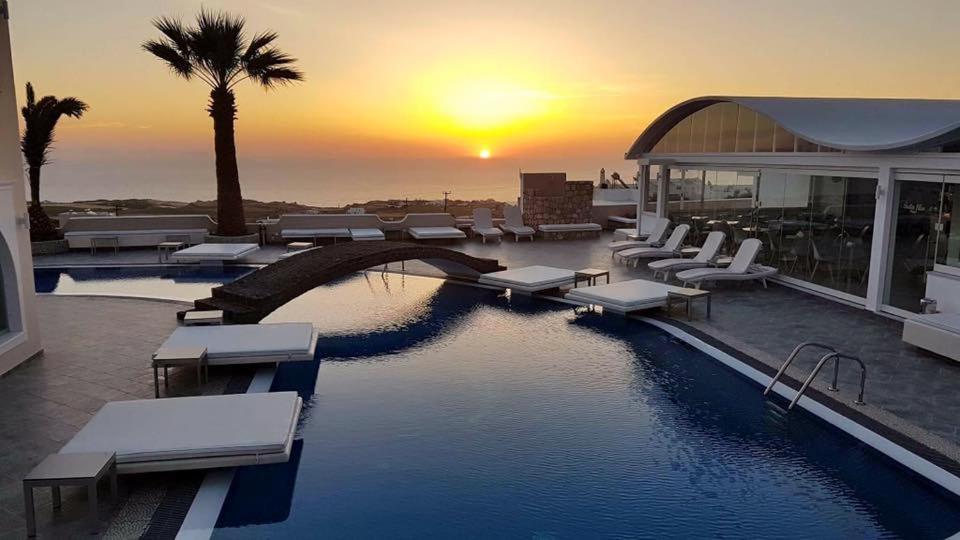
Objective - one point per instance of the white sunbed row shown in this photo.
(202, 432)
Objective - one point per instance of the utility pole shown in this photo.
(445, 194)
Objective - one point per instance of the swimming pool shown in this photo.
(186, 283)
(441, 410)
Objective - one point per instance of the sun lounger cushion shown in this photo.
(316, 233)
(624, 296)
(191, 427)
(216, 252)
(569, 227)
(529, 278)
(426, 233)
(248, 343)
(487, 232)
(756, 271)
(521, 230)
(366, 234)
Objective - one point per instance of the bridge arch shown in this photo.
(254, 296)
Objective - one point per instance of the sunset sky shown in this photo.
(537, 83)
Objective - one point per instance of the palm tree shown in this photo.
(41, 119)
(217, 52)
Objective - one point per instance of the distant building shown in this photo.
(852, 198)
(19, 332)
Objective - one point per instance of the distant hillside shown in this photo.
(255, 210)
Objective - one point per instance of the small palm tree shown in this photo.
(41, 119)
(217, 52)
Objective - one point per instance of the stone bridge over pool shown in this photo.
(254, 296)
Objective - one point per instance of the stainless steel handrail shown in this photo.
(796, 351)
(836, 370)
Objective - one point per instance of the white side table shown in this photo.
(57, 470)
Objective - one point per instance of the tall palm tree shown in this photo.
(216, 51)
(41, 119)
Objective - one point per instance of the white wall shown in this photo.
(23, 341)
(944, 287)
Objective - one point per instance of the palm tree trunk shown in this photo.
(41, 226)
(223, 110)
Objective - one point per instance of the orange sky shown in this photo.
(432, 78)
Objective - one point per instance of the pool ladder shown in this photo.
(831, 354)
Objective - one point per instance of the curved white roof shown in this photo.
(864, 125)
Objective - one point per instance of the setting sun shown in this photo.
(485, 153)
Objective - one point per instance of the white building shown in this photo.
(19, 331)
(853, 198)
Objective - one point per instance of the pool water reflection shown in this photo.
(440, 410)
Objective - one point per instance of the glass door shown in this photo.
(915, 232)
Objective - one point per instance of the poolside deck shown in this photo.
(47, 399)
(52, 396)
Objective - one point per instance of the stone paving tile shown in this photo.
(49, 398)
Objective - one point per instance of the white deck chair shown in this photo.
(742, 268)
(657, 236)
(483, 225)
(514, 223)
(670, 248)
(708, 252)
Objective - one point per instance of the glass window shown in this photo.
(4, 323)
(711, 138)
(728, 127)
(783, 140)
(683, 135)
(948, 241)
(764, 139)
(914, 241)
(746, 124)
(804, 145)
(653, 185)
(698, 125)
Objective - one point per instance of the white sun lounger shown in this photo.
(215, 252)
(248, 343)
(434, 233)
(529, 279)
(514, 223)
(483, 225)
(708, 252)
(187, 433)
(670, 248)
(366, 234)
(741, 268)
(623, 296)
(656, 237)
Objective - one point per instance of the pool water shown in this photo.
(173, 282)
(440, 410)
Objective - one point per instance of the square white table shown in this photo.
(82, 469)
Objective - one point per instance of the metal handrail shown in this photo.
(836, 371)
(796, 351)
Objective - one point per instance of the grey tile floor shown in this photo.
(95, 350)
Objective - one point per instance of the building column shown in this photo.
(663, 191)
(642, 188)
(881, 246)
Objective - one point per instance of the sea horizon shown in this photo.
(326, 182)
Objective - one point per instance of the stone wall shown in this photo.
(561, 202)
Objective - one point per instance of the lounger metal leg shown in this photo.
(92, 504)
(114, 491)
(156, 383)
(55, 495)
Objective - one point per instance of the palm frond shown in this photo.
(176, 61)
(258, 42)
(31, 96)
(272, 67)
(72, 107)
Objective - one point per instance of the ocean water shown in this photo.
(321, 182)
